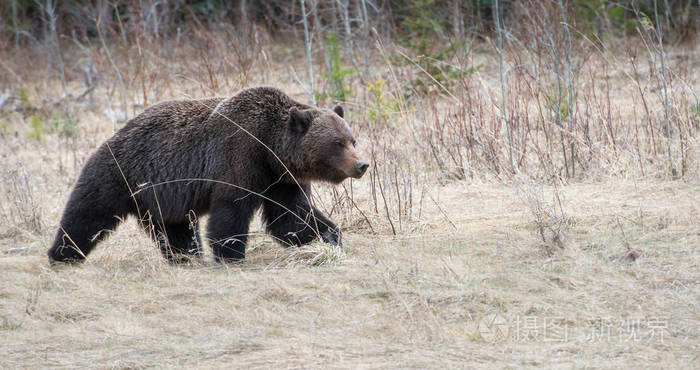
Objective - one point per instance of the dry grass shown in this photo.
(444, 250)
(412, 300)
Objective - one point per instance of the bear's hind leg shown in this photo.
(228, 229)
(179, 243)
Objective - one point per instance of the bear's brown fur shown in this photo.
(224, 157)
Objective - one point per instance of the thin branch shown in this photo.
(307, 41)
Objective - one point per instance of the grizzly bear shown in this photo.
(226, 157)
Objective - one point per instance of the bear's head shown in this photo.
(325, 145)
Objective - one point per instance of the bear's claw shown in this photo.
(333, 237)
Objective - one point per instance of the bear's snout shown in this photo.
(360, 169)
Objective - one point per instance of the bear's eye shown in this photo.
(339, 143)
(354, 142)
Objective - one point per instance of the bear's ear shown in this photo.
(299, 121)
(339, 111)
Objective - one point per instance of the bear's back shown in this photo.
(172, 115)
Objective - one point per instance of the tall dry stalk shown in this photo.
(657, 46)
(49, 10)
(15, 27)
(570, 86)
(504, 107)
(345, 15)
(560, 125)
(660, 50)
(122, 85)
(307, 42)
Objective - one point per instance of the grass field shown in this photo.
(412, 300)
(449, 258)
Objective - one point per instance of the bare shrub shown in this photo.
(24, 210)
(548, 217)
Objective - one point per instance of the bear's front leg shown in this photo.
(293, 221)
(332, 235)
(228, 229)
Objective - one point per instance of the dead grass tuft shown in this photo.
(23, 209)
(547, 212)
(315, 254)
